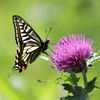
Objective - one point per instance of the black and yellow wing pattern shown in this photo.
(30, 45)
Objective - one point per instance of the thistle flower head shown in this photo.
(71, 53)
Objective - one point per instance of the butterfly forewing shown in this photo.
(24, 32)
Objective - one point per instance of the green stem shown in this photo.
(84, 79)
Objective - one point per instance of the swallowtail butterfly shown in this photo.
(30, 45)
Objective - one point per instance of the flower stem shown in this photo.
(84, 79)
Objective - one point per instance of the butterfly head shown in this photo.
(46, 44)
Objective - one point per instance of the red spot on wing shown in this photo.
(23, 68)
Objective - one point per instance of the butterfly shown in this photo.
(30, 45)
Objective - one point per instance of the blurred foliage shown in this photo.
(65, 17)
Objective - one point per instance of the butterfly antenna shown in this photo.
(45, 32)
(48, 32)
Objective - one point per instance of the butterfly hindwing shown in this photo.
(32, 49)
(20, 64)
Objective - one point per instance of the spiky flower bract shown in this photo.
(71, 53)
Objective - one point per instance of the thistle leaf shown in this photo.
(79, 93)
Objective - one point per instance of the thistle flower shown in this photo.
(71, 53)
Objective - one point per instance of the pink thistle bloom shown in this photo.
(71, 53)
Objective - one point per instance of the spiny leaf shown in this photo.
(79, 93)
(62, 78)
(72, 79)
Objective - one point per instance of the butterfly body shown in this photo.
(30, 45)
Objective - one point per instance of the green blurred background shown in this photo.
(65, 17)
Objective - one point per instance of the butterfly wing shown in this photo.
(28, 41)
(24, 32)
